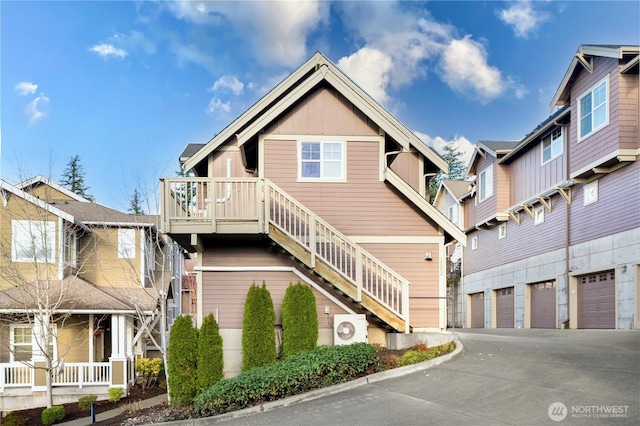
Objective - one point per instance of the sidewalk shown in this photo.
(106, 415)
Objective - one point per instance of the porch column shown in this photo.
(118, 360)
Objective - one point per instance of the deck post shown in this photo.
(405, 306)
(358, 274)
(312, 242)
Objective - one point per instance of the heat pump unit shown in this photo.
(349, 328)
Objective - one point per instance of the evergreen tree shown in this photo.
(182, 361)
(299, 320)
(457, 169)
(210, 355)
(73, 178)
(136, 203)
(258, 328)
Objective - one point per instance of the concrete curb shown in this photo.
(318, 393)
(109, 414)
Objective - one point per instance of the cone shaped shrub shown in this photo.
(210, 360)
(258, 328)
(299, 320)
(182, 360)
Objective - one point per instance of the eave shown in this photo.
(605, 165)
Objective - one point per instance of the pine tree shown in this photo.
(299, 320)
(258, 328)
(457, 169)
(182, 360)
(135, 206)
(210, 354)
(73, 178)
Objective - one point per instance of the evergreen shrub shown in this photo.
(182, 361)
(299, 320)
(52, 415)
(210, 355)
(258, 328)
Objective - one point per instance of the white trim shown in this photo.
(52, 184)
(372, 239)
(61, 247)
(272, 269)
(143, 258)
(321, 161)
(501, 234)
(320, 138)
(551, 141)
(488, 186)
(607, 105)
(442, 284)
(615, 154)
(538, 215)
(585, 189)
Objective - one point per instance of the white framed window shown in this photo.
(593, 109)
(453, 213)
(322, 160)
(538, 215)
(502, 231)
(33, 241)
(486, 183)
(70, 239)
(590, 192)
(474, 243)
(22, 342)
(552, 145)
(126, 243)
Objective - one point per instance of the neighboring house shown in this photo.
(87, 279)
(449, 200)
(554, 222)
(315, 183)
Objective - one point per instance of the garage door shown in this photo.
(477, 310)
(543, 305)
(597, 300)
(504, 308)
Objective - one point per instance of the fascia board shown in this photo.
(251, 113)
(52, 184)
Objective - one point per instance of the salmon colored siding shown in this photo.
(501, 187)
(226, 292)
(323, 112)
(379, 209)
(407, 166)
(629, 111)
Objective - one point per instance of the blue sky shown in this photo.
(126, 85)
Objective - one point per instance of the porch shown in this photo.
(192, 207)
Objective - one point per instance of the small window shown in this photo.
(126, 243)
(538, 215)
(453, 214)
(33, 241)
(551, 145)
(591, 192)
(593, 109)
(21, 342)
(70, 247)
(502, 231)
(322, 161)
(486, 183)
(474, 243)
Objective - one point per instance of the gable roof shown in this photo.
(95, 213)
(494, 148)
(41, 180)
(584, 58)
(457, 188)
(316, 70)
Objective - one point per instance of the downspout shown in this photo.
(567, 241)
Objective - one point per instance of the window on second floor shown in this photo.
(453, 214)
(322, 161)
(126, 243)
(70, 239)
(551, 145)
(33, 241)
(593, 109)
(486, 183)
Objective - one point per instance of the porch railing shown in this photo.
(208, 200)
(15, 374)
(77, 374)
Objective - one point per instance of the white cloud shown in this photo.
(461, 144)
(228, 83)
(277, 29)
(522, 17)
(106, 50)
(33, 109)
(370, 69)
(25, 88)
(217, 105)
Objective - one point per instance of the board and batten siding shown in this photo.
(606, 140)
(617, 208)
(528, 177)
(225, 292)
(407, 166)
(360, 206)
(522, 241)
(323, 112)
(409, 261)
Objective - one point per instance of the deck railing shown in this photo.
(197, 200)
(77, 374)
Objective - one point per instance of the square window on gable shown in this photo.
(552, 145)
(593, 109)
(322, 161)
(590, 192)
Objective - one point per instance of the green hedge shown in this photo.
(210, 355)
(181, 361)
(302, 372)
(258, 328)
(299, 320)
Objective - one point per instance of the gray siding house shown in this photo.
(553, 222)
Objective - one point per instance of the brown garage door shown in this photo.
(597, 300)
(504, 308)
(543, 305)
(477, 310)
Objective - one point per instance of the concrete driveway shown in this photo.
(502, 377)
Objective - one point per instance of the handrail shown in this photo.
(367, 273)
